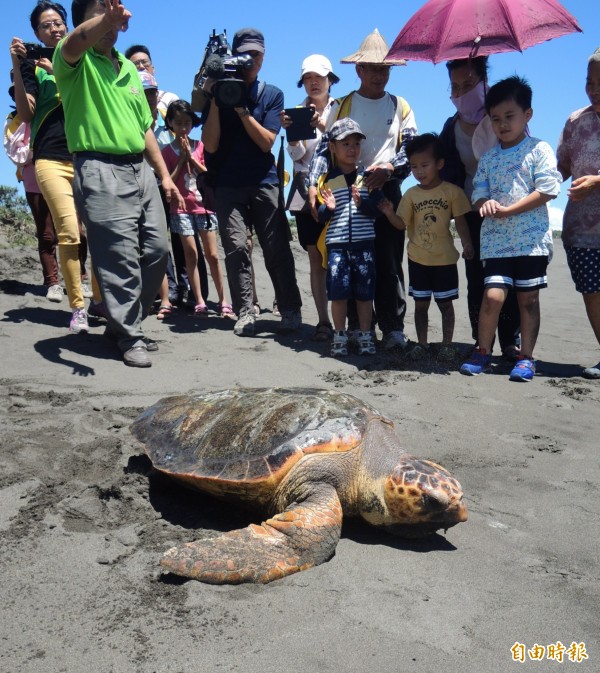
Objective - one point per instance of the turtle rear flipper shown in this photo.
(305, 534)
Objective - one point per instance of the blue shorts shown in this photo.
(187, 224)
(439, 281)
(351, 271)
(584, 264)
(523, 273)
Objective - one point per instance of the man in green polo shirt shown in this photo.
(109, 130)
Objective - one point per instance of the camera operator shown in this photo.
(238, 143)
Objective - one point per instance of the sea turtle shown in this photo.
(302, 456)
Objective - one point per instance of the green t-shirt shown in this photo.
(47, 100)
(104, 111)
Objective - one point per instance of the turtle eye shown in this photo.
(435, 501)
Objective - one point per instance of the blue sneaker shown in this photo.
(477, 364)
(524, 370)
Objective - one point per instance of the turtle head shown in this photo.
(417, 498)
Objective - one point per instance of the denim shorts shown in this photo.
(351, 271)
(187, 224)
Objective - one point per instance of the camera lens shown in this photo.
(230, 93)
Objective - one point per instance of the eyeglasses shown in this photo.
(52, 24)
(142, 63)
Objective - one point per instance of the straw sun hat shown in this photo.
(373, 50)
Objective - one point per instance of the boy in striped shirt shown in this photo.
(350, 212)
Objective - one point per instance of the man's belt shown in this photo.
(120, 159)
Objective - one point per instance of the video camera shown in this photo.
(220, 64)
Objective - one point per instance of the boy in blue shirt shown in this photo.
(513, 183)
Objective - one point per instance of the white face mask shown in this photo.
(471, 105)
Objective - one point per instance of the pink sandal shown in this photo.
(226, 311)
(201, 310)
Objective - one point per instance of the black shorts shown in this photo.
(523, 273)
(308, 230)
(439, 281)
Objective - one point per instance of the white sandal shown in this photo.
(339, 346)
(365, 343)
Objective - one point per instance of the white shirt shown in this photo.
(379, 122)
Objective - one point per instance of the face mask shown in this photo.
(471, 105)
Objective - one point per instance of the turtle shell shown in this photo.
(224, 440)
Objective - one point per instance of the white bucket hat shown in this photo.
(319, 64)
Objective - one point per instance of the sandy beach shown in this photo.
(84, 521)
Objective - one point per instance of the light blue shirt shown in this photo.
(507, 176)
(162, 134)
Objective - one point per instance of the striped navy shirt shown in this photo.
(347, 223)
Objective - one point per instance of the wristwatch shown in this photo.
(244, 113)
(388, 173)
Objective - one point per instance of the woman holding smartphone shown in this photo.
(316, 77)
(38, 103)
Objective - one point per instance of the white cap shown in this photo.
(318, 64)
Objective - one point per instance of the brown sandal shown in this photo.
(164, 311)
(323, 332)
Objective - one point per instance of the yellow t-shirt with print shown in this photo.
(427, 214)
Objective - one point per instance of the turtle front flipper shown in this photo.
(305, 534)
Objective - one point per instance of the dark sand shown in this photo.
(83, 524)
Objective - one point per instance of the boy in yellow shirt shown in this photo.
(426, 211)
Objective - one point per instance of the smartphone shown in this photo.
(37, 51)
(300, 128)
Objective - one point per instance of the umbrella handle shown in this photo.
(475, 47)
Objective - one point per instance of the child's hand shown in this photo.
(385, 206)
(492, 208)
(468, 251)
(328, 199)
(186, 149)
(356, 196)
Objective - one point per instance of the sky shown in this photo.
(176, 32)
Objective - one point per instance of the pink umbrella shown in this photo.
(443, 30)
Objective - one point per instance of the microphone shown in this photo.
(214, 67)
